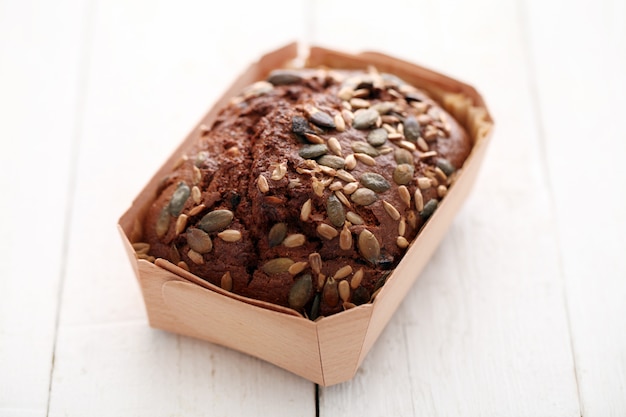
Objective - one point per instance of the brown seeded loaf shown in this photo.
(308, 188)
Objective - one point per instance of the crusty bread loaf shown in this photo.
(308, 188)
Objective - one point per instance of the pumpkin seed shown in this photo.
(345, 238)
(332, 161)
(412, 129)
(195, 257)
(322, 119)
(377, 137)
(216, 221)
(363, 147)
(180, 196)
(284, 77)
(366, 159)
(369, 246)
(163, 222)
(360, 296)
(391, 210)
(375, 182)
(350, 162)
(301, 292)
(181, 223)
(356, 279)
(277, 266)
(445, 166)
(403, 174)
(429, 208)
(405, 195)
(331, 293)
(295, 240)
(402, 242)
(305, 211)
(199, 241)
(383, 107)
(226, 282)
(277, 234)
(315, 260)
(336, 213)
(354, 218)
(262, 184)
(313, 151)
(299, 125)
(344, 290)
(230, 235)
(334, 146)
(402, 156)
(297, 267)
(326, 231)
(363, 197)
(343, 272)
(365, 118)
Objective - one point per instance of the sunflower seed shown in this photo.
(395, 136)
(354, 218)
(411, 219)
(428, 154)
(366, 159)
(363, 197)
(359, 103)
(410, 146)
(388, 128)
(390, 119)
(422, 144)
(419, 200)
(332, 161)
(356, 279)
(334, 146)
(337, 185)
(402, 242)
(441, 176)
(284, 77)
(181, 223)
(279, 171)
(163, 222)
(179, 162)
(377, 137)
(226, 282)
(429, 208)
(350, 187)
(294, 240)
(361, 92)
(365, 118)
(313, 138)
(402, 227)
(196, 194)
(369, 246)
(230, 235)
(424, 183)
(315, 260)
(405, 195)
(195, 257)
(141, 247)
(216, 221)
(262, 184)
(343, 272)
(348, 117)
(330, 293)
(350, 162)
(345, 176)
(345, 93)
(318, 187)
(363, 147)
(180, 196)
(199, 241)
(326, 231)
(402, 156)
(340, 124)
(305, 211)
(360, 295)
(445, 166)
(297, 267)
(345, 239)
(400, 128)
(375, 182)
(301, 292)
(403, 174)
(322, 119)
(412, 129)
(277, 266)
(391, 210)
(197, 174)
(197, 210)
(442, 190)
(146, 257)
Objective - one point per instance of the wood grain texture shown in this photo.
(41, 53)
(580, 95)
(484, 330)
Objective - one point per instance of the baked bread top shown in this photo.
(308, 188)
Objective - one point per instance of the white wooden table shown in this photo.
(522, 311)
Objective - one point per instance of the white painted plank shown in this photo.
(155, 69)
(484, 331)
(580, 69)
(40, 64)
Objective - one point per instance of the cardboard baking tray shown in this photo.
(331, 349)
